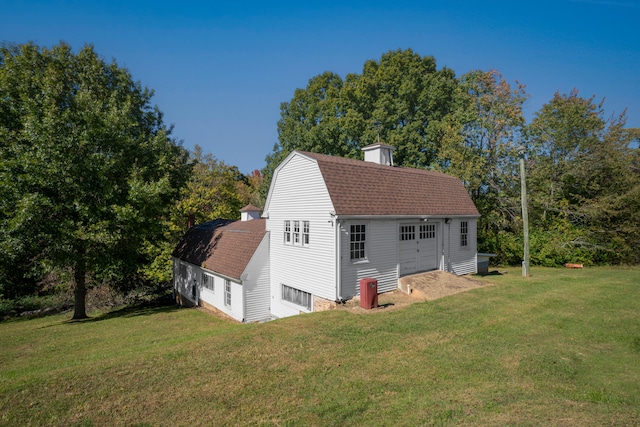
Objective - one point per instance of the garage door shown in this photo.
(418, 248)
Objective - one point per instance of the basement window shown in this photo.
(296, 296)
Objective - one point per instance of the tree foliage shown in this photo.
(213, 190)
(402, 100)
(483, 148)
(87, 168)
(584, 174)
(583, 180)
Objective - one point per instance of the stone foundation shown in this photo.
(321, 304)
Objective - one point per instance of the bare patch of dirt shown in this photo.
(422, 287)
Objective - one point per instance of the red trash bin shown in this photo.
(368, 293)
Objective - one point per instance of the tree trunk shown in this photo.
(79, 291)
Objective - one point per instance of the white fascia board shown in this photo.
(369, 217)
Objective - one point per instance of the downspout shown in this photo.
(243, 278)
(338, 261)
(448, 221)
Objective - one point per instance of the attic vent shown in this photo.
(379, 153)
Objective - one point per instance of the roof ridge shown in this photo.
(362, 163)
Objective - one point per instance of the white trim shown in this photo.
(406, 217)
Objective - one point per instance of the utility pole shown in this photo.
(525, 214)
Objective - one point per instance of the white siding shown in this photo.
(461, 260)
(256, 284)
(184, 285)
(382, 257)
(298, 193)
(216, 297)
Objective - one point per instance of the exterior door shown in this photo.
(418, 248)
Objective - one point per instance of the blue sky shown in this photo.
(221, 69)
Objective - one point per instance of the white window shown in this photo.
(357, 238)
(305, 233)
(295, 235)
(287, 232)
(464, 232)
(427, 231)
(296, 296)
(296, 232)
(227, 292)
(208, 281)
(183, 271)
(407, 232)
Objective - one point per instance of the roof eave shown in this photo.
(352, 216)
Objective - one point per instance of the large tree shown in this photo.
(484, 151)
(584, 186)
(402, 100)
(87, 167)
(215, 190)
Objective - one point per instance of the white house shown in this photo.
(331, 221)
(225, 265)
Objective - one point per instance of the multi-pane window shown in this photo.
(358, 239)
(305, 233)
(296, 296)
(227, 292)
(464, 233)
(296, 232)
(427, 231)
(208, 281)
(287, 232)
(407, 232)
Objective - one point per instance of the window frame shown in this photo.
(287, 232)
(208, 278)
(427, 231)
(464, 234)
(295, 296)
(296, 233)
(306, 228)
(358, 247)
(407, 233)
(227, 292)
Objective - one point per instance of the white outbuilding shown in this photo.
(331, 221)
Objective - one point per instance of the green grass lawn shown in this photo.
(560, 348)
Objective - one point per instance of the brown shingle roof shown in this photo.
(250, 208)
(364, 188)
(222, 246)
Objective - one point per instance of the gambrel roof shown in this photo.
(357, 187)
(222, 246)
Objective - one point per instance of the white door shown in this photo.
(418, 248)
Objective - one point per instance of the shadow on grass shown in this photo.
(492, 273)
(146, 308)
